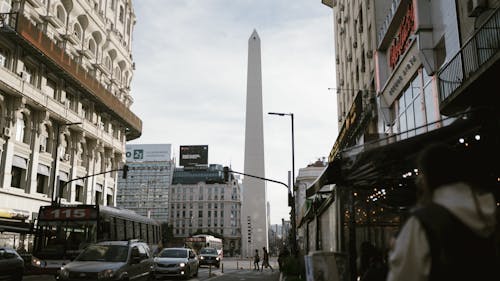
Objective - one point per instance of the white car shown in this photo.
(180, 262)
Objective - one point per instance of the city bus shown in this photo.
(199, 241)
(62, 232)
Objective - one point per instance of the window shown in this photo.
(79, 193)
(61, 14)
(121, 14)
(77, 31)
(92, 47)
(4, 55)
(41, 183)
(113, 4)
(51, 88)
(17, 174)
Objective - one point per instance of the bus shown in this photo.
(199, 241)
(62, 232)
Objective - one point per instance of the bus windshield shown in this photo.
(63, 239)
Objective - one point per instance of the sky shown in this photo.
(189, 85)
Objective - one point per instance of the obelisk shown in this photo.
(254, 207)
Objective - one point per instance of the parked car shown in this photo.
(209, 256)
(11, 265)
(110, 260)
(180, 262)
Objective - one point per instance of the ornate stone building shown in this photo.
(65, 72)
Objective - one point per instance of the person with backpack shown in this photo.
(451, 234)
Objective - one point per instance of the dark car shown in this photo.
(11, 265)
(178, 262)
(110, 260)
(209, 256)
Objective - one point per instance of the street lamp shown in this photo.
(294, 236)
(55, 183)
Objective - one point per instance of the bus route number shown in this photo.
(67, 213)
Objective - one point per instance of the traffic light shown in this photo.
(124, 171)
(226, 174)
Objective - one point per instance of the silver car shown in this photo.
(111, 260)
(180, 262)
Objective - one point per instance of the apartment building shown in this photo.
(202, 201)
(146, 187)
(65, 73)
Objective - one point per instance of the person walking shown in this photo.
(265, 260)
(256, 260)
(451, 233)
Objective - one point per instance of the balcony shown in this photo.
(22, 31)
(469, 78)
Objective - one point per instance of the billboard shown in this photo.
(148, 152)
(191, 155)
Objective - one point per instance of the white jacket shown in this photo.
(410, 259)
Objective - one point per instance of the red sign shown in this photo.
(67, 213)
(402, 39)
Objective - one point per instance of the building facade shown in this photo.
(65, 72)
(201, 201)
(428, 78)
(146, 187)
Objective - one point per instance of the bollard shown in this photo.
(210, 270)
(237, 266)
(222, 268)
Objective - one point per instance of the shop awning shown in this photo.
(19, 162)
(385, 161)
(43, 170)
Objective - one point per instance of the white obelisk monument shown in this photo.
(254, 207)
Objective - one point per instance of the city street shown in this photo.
(231, 269)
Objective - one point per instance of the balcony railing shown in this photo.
(476, 52)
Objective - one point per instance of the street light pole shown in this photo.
(292, 185)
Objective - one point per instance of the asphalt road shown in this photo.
(231, 270)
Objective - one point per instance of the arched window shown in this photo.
(61, 14)
(20, 127)
(107, 63)
(92, 47)
(121, 15)
(77, 31)
(118, 74)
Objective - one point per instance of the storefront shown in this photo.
(375, 186)
(15, 229)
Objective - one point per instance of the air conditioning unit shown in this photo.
(476, 7)
(65, 157)
(6, 132)
(25, 76)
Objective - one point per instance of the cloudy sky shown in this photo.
(189, 86)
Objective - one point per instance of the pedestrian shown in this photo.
(282, 256)
(265, 260)
(256, 260)
(450, 235)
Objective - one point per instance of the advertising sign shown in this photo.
(191, 155)
(148, 152)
